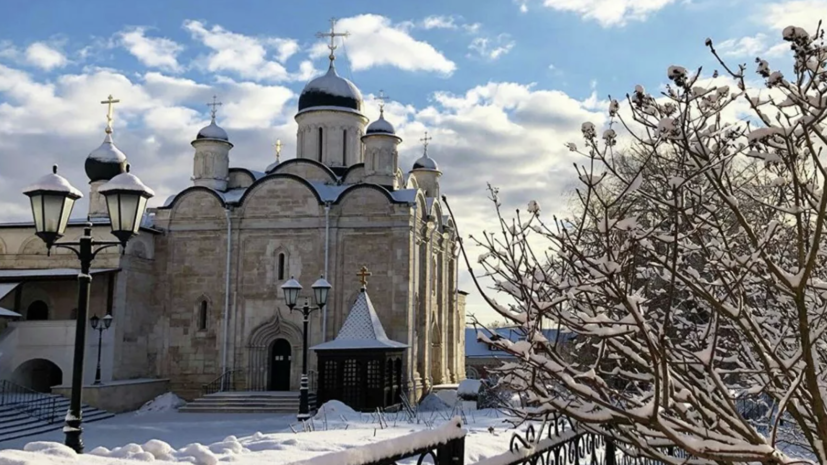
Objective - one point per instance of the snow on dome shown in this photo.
(212, 131)
(126, 182)
(330, 90)
(426, 163)
(380, 126)
(105, 162)
(53, 182)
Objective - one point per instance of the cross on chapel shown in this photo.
(332, 34)
(110, 112)
(424, 141)
(214, 104)
(363, 276)
(277, 145)
(382, 97)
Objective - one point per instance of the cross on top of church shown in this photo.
(363, 276)
(110, 112)
(425, 141)
(214, 104)
(382, 97)
(332, 34)
(277, 145)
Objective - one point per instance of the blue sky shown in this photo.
(500, 85)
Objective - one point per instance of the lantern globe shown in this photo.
(126, 198)
(321, 290)
(52, 199)
(291, 291)
(107, 321)
(95, 321)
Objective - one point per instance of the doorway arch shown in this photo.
(280, 360)
(37, 311)
(38, 375)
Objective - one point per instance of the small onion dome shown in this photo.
(380, 126)
(53, 182)
(212, 131)
(426, 163)
(330, 90)
(105, 162)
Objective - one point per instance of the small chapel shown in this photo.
(196, 296)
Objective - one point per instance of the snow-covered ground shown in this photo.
(167, 436)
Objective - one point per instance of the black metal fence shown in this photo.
(25, 400)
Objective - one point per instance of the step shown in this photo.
(194, 409)
(45, 428)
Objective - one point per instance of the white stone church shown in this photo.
(197, 293)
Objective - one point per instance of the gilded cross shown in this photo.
(425, 141)
(382, 97)
(277, 145)
(110, 112)
(214, 104)
(332, 34)
(363, 275)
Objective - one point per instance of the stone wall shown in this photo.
(119, 397)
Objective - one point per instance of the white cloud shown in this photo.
(245, 55)
(802, 13)
(608, 12)
(439, 22)
(155, 52)
(492, 48)
(375, 41)
(45, 56)
(752, 46)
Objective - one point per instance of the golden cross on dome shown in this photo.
(214, 104)
(277, 145)
(332, 34)
(363, 276)
(425, 141)
(382, 97)
(110, 112)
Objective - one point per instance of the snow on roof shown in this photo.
(5, 288)
(333, 84)
(479, 349)
(362, 329)
(4, 312)
(53, 182)
(50, 272)
(107, 152)
(126, 182)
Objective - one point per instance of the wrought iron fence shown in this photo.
(28, 401)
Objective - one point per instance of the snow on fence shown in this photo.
(445, 445)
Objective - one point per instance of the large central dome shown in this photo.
(330, 90)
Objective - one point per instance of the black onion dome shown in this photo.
(380, 126)
(330, 90)
(212, 131)
(426, 163)
(105, 162)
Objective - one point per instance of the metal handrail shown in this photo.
(28, 401)
(221, 383)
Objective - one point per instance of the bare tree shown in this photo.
(693, 274)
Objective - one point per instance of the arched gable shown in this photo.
(354, 174)
(33, 246)
(411, 182)
(365, 198)
(3, 248)
(195, 203)
(306, 168)
(436, 213)
(280, 194)
(277, 327)
(240, 178)
(421, 205)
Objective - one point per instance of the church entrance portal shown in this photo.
(280, 358)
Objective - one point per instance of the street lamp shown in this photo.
(291, 289)
(52, 199)
(107, 322)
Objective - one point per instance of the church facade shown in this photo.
(197, 294)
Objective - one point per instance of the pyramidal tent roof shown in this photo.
(362, 329)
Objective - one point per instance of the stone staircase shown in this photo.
(19, 420)
(248, 402)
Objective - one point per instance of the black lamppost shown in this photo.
(52, 199)
(291, 289)
(107, 322)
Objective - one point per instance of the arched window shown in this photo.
(202, 315)
(282, 265)
(320, 144)
(38, 310)
(344, 147)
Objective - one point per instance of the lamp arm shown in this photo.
(103, 246)
(68, 245)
